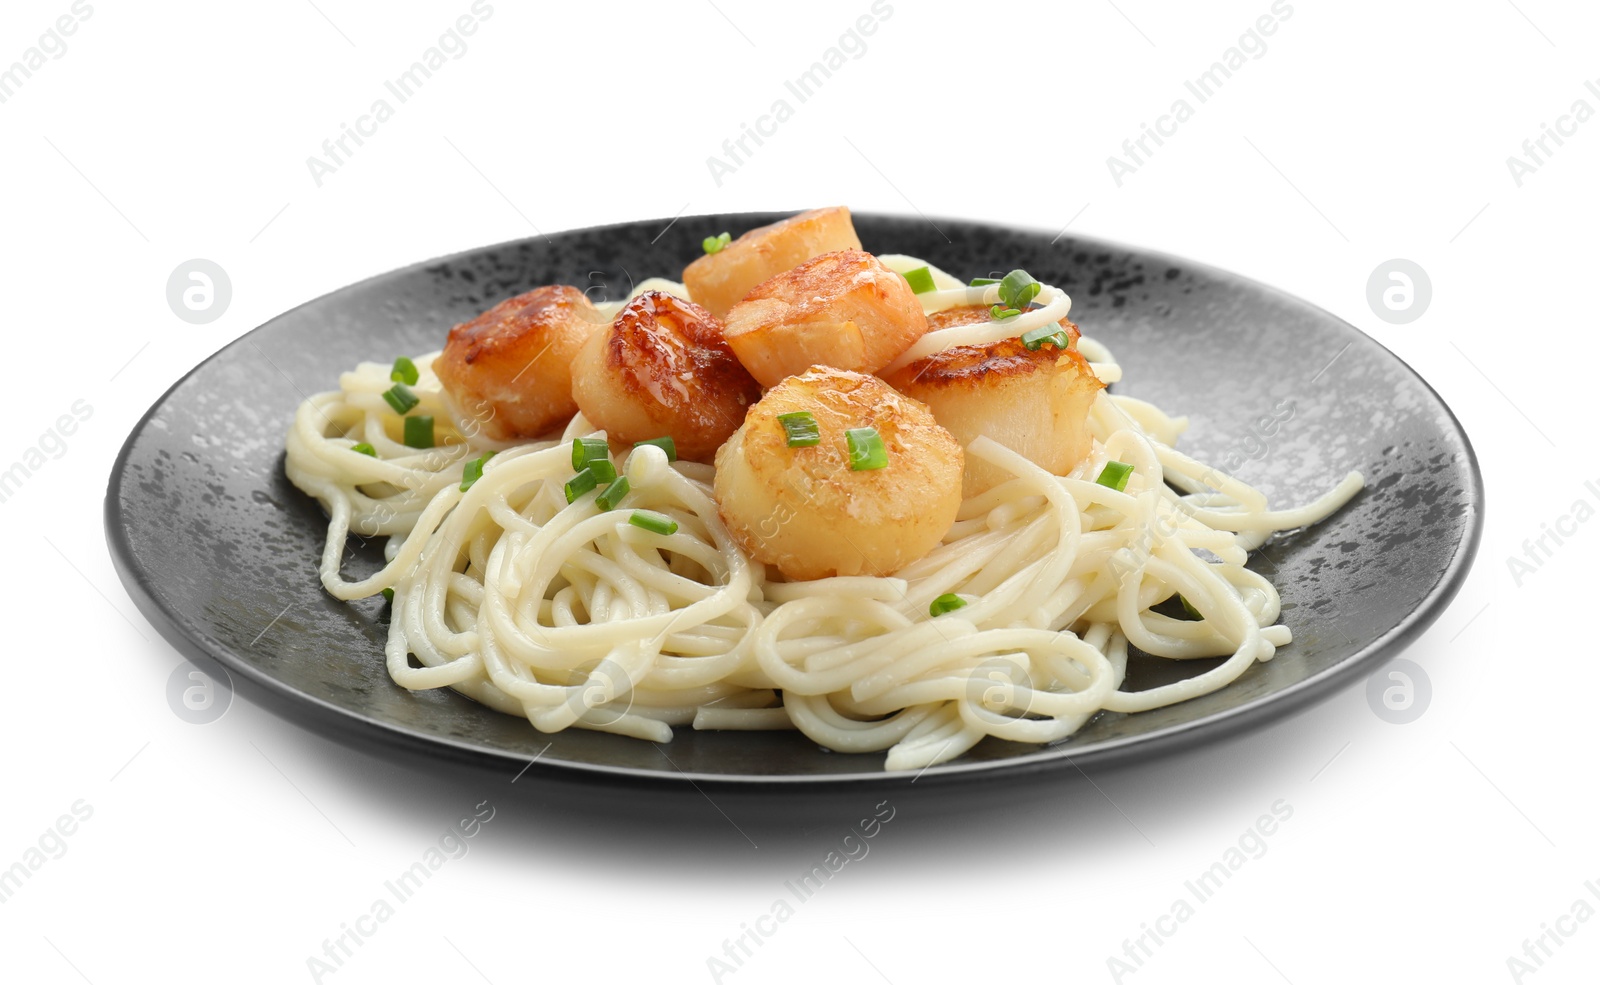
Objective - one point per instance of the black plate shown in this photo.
(220, 552)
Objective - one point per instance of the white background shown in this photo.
(1367, 131)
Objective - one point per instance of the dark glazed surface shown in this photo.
(213, 542)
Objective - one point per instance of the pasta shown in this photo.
(576, 615)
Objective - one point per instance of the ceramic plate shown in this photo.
(220, 552)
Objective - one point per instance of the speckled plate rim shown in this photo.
(397, 742)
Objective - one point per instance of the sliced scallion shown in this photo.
(400, 398)
(362, 448)
(1018, 288)
(474, 470)
(597, 473)
(983, 281)
(388, 594)
(404, 371)
(1188, 609)
(1052, 333)
(1115, 475)
(920, 279)
(664, 443)
(1000, 312)
(419, 431)
(580, 484)
(866, 449)
(948, 602)
(714, 244)
(653, 522)
(801, 429)
(611, 495)
(586, 450)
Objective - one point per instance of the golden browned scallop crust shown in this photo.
(805, 511)
(506, 372)
(843, 309)
(1035, 403)
(719, 280)
(663, 368)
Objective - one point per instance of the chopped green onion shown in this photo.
(1018, 288)
(1115, 475)
(664, 443)
(1052, 333)
(474, 470)
(611, 495)
(362, 448)
(580, 484)
(866, 449)
(1189, 610)
(388, 593)
(920, 279)
(400, 398)
(801, 428)
(1000, 312)
(419, 431)
(586, 450)
(653, 522)
(405, 371)
(948, 602)
(714, 244)
(596, 473)
(982, 281)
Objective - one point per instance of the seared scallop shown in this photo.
(805, 510)
(719, 280)
(507, 373)
(1034, 402)
(662, 368)
(843, 309)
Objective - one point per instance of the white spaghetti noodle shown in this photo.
(571, 616)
